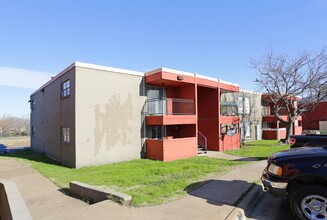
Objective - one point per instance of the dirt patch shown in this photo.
(12, 142)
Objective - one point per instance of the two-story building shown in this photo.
(271, 127)
(248, 106)
(90, 115)
(315, 121)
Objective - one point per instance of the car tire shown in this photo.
(309, 202)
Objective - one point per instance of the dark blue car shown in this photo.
(3, 149)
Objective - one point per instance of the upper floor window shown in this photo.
(243, 105)
(247, 106)
(32, 104)
(240, 105)
(65, 88)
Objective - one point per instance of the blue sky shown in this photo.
(213, 38)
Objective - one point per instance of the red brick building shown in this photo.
(271, 128)
(314, 120)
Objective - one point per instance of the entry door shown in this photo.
(156, 100)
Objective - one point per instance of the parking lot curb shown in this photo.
(246, 205)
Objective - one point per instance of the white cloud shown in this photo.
(23, 78)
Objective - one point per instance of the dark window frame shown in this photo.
(65, 89)
(65, 135)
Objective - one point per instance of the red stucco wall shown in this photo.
(310, 120)
(171, 149)
(208, 116)
(229, 142)
(272, 134)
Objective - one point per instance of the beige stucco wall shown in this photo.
(52, 112)
(108, 116)
(256, 108)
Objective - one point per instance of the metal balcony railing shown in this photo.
(169, 106)
(228, 109)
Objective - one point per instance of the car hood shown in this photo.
(300, 153)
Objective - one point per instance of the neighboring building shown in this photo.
(271, 127)
(247, 105)
(250, 112)
(91, 115)
(316, 120)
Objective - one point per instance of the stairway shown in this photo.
(202, 143)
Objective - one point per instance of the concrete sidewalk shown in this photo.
(214, 200)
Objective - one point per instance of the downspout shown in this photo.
(196, 107)
(220, 142)
(143, 142)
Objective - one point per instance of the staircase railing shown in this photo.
(202, 141)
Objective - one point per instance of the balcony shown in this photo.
(170, 106)
(169, 111)
(228, 109)
(266, 111)
(268, 114)
(168, 149)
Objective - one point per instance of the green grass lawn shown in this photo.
(149, 182)
(258, 149)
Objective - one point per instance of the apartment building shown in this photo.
(315, 121)
(271, 127)
(248, 106)
(91, 115)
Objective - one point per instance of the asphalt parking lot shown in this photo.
(269, 207)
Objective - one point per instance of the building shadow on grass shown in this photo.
(29, 154)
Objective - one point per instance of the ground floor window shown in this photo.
(156, 132)
(65, 134)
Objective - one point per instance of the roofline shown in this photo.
(228, 83)
(128, 72)
(163, 69)
(89, 66)
(71, 66)
(108, 68)
(207, 77)
(250, 91)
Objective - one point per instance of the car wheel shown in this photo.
(309, 202)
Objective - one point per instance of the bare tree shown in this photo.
(14, 126)
(287, 79)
